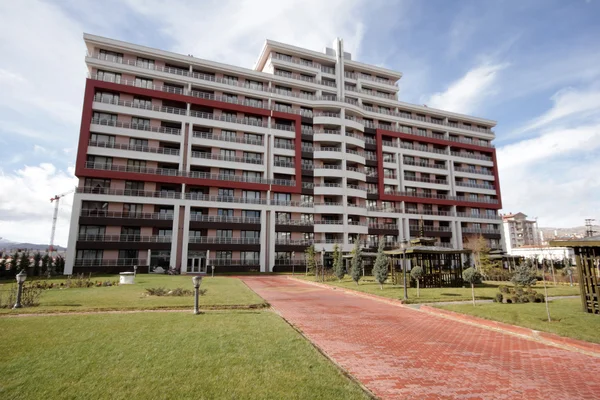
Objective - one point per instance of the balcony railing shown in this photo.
(133, 169)
(141, 106)
(475, 185)
(326, 114)
(125, 214)
(295, 222)
(285, 261)
(231, 119)
(283, 145)
(125, 238)
(480, 230)
(128, 192)
(328, 185)
(223, 199)
(480, 216)
(95, 262)
(424, 164)
(296, 242)
(426, 180)
(329, 222)
(138, 127)
(233, 261)
(227, 138)
(327, 132)
(221, 157)
(473, 171)
(384, 226)
(429, 212)
(145, 149)
(328, 167)
(284, 164)
(223, 240)
(224, 218)
(429, 228)
(473, 156)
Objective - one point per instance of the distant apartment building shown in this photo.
(184, 162)
(519, 231)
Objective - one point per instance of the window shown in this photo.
(225, 212)
(226, 173)
(283, 89)
(251, 214)
(254, 85)
(136, 165)
(104, 139)
(107, 97)
(309, 235)
(98, 206)
(99, 162)
(250, 234)
(228, 135)
(252, 138)
(253, 157)
(89, 254)
(142, 102)
(134, 185)
(129, 208)
(307, 199)
(284, 143)
(251, 194)
(283, 216)
(224, 255)
(143, 82)
(224, 233)
(145, 63)
(194, 234)
(252, 176)
(230, 79)
(473, 196)
(283, 255)
(282, 196)
(97, 185)
(91, 230)
(254, 120)
(227, 154)
(166, 211)
(230, 98)
(250, 256)
(307, 217)
(140, 122)
(284, 235)
(104, 118)
(138, 142)
(106, 76)
(225, 192)
(165, 232)
(110, 56)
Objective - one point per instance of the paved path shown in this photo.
(399, 353)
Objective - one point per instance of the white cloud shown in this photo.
(25, 208)
(233, 31)
(553, 173)
(466, 94)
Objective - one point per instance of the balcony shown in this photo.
(227, 138)
(430, 228)
(124, 238)
(294, 222)
(475, 185)
(223, 199)
(473, 171)
(144, 149)
(138, 127)
(220, 157)
(416, 147)
(472, 156)
(233, 261)
(125, 215)
(284, 164)
(223, 240)
(224, 219)
(294, 242)
(128, 192)
(429, 212)
(480, 230)
(290, 203)
(424, 164)
(383, 226)
(480, 216)
(284, 145)
(230, 119)
(94, 262)
(426, 180)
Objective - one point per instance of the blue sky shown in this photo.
(533, 66)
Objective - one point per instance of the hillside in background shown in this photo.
(10, 245)
(575, 232)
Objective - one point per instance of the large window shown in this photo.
(224, 233)
(138, 142)
(251, 194)
(100, 162)
(143, 82)
(282, 196)
(251, 214)
(227, 153)
(134, 185)
(251, 234)
(284, 235)
(110, 56)
(132, 208)
(283, 216)
(90, 254)
(140, 122)
(142, 102)
(225, 192)
(104, 118)
(249, 256)
(108, 76)
(224, 255)
(93, 230)
(145, 63)
(103, 139)
(136, 165)
(107, 97)
(225, 212)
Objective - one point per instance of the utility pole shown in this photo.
(589, 227)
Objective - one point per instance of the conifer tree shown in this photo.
(355, 271)
(380, 267)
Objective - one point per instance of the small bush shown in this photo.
(514, 299)
(498, 298)
(503, 289)
(508, 300)
(161, 291)
(29, 298)
(539, 298)
(531, 298)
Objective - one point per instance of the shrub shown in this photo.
(523, 275)
(29, 298)
(161, 291)
(514, 299)
(531, 298)
(503, 289)
(498, 298)
(539, 298)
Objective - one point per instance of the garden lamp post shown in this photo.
(570, 273)
(212, 267)
(21, 276)
(197, 280)
(293, 256)
(404, 243)
(134, 270)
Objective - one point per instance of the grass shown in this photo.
(217, 355)
(568, 319)
(221, 292)
(484, 291)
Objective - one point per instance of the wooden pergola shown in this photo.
(587, 258)
(442, 266)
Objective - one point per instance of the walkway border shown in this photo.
(591, 349)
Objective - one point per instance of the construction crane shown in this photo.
(56, 201)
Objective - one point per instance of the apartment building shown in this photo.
(519, 231)
(188, 163)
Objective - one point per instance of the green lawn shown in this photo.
(217, 355)
(569, 321)
(221, 292)
(485, 291)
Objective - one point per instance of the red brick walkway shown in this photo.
(398, 352)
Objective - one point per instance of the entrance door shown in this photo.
(196, 265)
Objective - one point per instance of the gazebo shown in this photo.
(508, 261)
(442, 266)
(587, 258)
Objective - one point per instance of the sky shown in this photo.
(533, 66)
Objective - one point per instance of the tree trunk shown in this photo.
(473, 292)
(546, 299)
(418, 294)
(380, 285)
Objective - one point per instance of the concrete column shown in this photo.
(73, 233)
(175, 229)
(185, 238)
